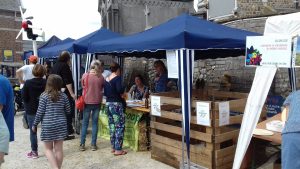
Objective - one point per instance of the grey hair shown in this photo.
(96, 64)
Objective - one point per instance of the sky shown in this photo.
(64, 18)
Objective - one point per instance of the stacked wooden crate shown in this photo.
(211, 147)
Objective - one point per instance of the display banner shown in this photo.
(132, 127)
(269, 51)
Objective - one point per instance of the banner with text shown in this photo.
(269, 51)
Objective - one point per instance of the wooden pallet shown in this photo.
(212, 147)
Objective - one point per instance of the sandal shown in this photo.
(121, 153)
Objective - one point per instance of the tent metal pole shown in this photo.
(182, 143)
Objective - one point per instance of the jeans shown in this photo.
(95, 109)
(33, 135)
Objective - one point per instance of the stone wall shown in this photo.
(128, 16)
(254, 8)
(10, 25)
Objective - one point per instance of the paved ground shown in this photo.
(73, 158)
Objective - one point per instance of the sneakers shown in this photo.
(82, 147)
(25, 125)
(33, 155)
(94, 147)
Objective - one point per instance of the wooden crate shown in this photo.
(212, 147)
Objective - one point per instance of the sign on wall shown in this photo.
(203, 115)
(8, 56)
(273, 105)
(269, 51)
(172, 63)
(224, 111)
(155, 106)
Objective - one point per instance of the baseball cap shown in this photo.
(33, 59)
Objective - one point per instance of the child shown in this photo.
(32, 90)
(53, 108)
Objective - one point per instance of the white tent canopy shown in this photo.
(283, 24)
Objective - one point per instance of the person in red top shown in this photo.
(92, 84)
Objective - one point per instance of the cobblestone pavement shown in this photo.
(73, 158)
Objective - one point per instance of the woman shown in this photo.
(139, 90)
(32, 90)
(161, 79)
(62, 68)
(92, 83)
(291, 133)
(52, 111)
(114, 90)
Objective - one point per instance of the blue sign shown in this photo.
(274, 104)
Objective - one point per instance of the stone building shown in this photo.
(131, 16)
(10, 47)
(10, 24)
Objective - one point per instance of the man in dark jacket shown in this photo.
(62, 68)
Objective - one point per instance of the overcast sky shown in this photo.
(64, 18)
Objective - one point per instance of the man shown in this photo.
(62, 68)
(6, 116)
(23, 74)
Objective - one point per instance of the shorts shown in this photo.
(4, 135)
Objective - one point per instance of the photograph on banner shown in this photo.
(172, 63)
(203, 114)
(224, 113)
(268, 51)
(155, 106)
(8, 56)
(296, 52)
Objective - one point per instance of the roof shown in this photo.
(11, 5)
(184, 31)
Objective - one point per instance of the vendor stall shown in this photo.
(188, 37)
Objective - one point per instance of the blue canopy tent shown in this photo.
(55, 50)
(51, 42)
(78, 46)
(189, 36)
